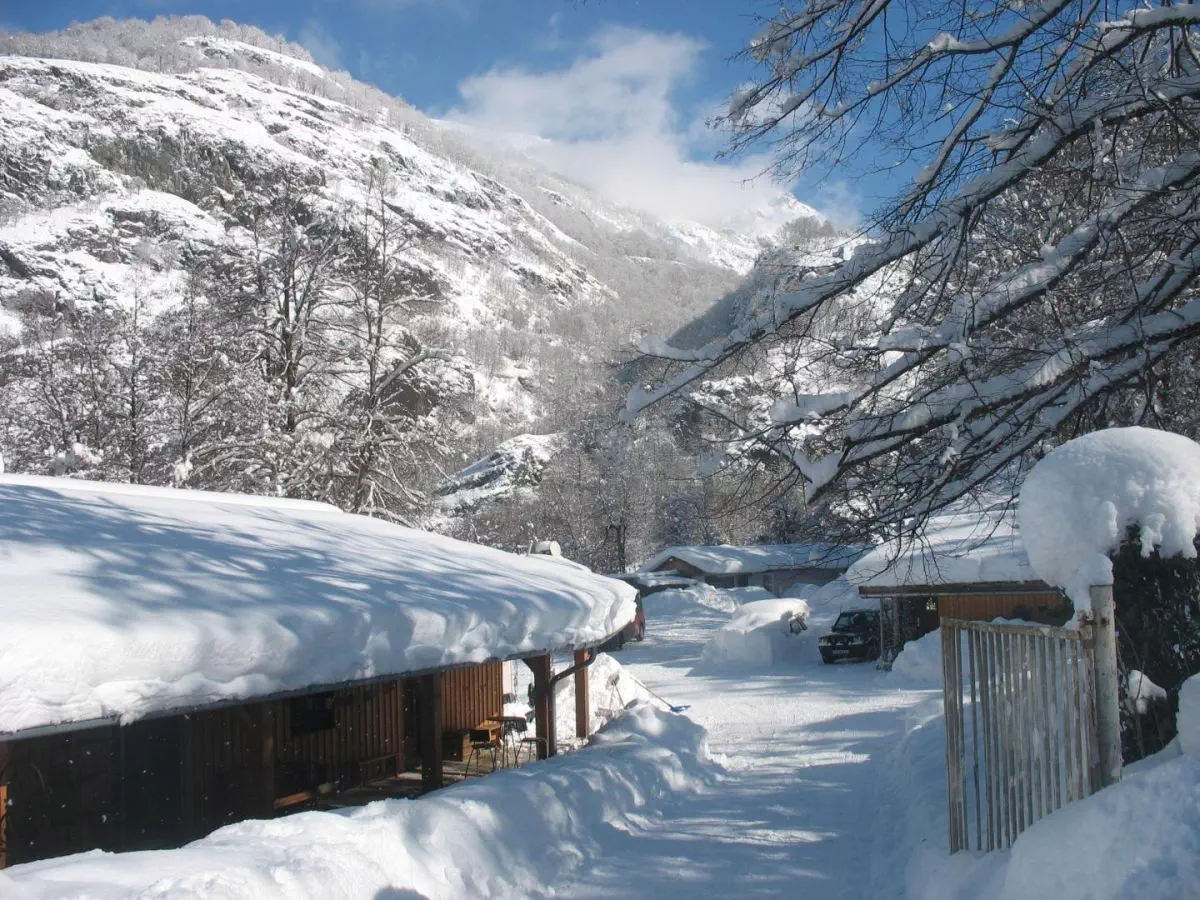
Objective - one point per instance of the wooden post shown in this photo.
(543, 705)
(3, 804)
(1108, 714)
(429, 709)
(583, 716)
(266, 735)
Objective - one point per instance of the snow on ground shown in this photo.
(1079, 500)
(169, 598)
(511, 834)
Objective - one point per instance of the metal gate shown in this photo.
(1021, 735)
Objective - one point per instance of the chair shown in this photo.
(532, 745)
(484, 744)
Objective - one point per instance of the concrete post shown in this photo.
(1108, 711)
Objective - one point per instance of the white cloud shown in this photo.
(609, 119)
(324, 47)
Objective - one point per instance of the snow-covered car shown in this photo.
(855, 635)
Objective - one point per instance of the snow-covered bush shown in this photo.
(762, 632)
(1079, 501)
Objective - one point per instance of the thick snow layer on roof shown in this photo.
(960, 548)
(730, 560)
(121, 600)
(1079, 501)
(511, 834)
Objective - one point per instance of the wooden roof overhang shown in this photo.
(102, 721)
(988, 588)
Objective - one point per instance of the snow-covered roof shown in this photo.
(980, 546)
(120, 600)
(730, 560)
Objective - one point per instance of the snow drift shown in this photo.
(1078, 502)
(507, 835)
(121, 600)
(762, 632)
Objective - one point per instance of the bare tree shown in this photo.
(1038, 277)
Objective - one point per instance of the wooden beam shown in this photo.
(266, 738)
(3, 804)
(582, 706)
(429, 710)
(543, 704)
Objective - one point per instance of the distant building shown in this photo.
(775, 567)
(967, 565)
(172, 661)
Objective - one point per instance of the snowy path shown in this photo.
(796, 815)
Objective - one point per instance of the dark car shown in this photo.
(635, 631)
(855, 635)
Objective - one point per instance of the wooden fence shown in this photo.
(1021, 735)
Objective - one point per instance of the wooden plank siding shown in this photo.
(985, 607)
(471, 696)
(165, 781)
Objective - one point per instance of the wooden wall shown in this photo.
(1037, 606)
(471, 695)
(163, 782)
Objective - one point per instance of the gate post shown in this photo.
(1104, 661)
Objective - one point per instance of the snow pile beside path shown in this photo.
(507, 835)
(681, 601)
(920, 661)
(740, 596)
(611, 688)
(825, 601)
(1188, 720)
(1139, 838)
(760, 633)
(1078, 502)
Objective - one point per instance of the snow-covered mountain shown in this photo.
(112, 173)
(134, 156)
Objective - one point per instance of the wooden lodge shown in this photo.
(178, 771)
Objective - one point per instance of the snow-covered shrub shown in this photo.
(1079, 501)
(762, 632)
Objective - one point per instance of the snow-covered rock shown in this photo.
(761, 633)
(508, 835)
(515, 464)
(1078, 502)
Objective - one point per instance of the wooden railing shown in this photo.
(1021, 736)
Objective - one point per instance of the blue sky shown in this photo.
(613, 92)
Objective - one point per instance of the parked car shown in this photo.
(855, 635)
(634, 631)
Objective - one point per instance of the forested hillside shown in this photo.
(224, 267)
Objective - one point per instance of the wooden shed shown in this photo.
(967, 565)
(178, 770)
